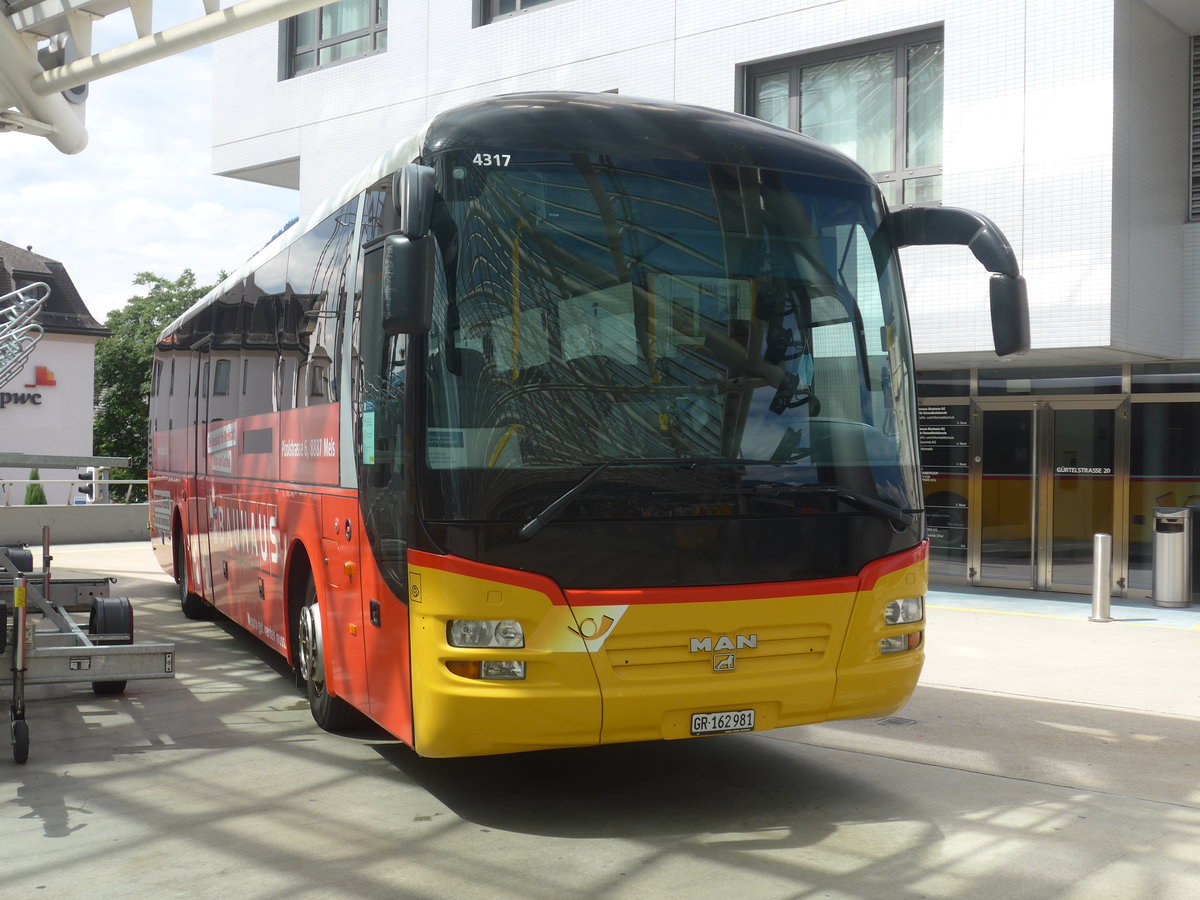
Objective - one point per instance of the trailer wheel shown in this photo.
(20, 557)
(111, 616)
(20, 741)
(330, 712)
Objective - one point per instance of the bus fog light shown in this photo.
(503, 669)
(901, 642)
(905, 611)
(484, 633)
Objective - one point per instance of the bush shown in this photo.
(35, 494)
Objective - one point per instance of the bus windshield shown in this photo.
(702, 332)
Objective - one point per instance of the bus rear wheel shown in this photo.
(330, 712)
(193, 605)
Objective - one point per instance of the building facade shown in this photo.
(47, 408)
(1068, 122)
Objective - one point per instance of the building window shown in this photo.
(490, 10)
(1050, 380)
(348, 29)
(880, 103)
(221, 378)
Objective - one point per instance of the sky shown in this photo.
(140, 196)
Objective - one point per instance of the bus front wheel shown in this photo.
(330, 712)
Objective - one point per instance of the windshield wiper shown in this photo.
(550, 513)
(538, 522)
(889, 511)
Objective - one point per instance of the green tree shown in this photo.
(123, 366)
(35, 494)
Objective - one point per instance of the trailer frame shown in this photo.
(43, 644)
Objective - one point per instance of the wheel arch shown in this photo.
(297, 568)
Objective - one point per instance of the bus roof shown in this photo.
(583, 122)
(404, 152)
(613, 124)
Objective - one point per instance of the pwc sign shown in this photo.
(42, 377)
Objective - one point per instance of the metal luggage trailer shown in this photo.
(40, 643)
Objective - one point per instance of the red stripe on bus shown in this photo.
(849, 584)
(865, 580)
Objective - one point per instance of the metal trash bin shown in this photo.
(1172, 585)
(1194, 508)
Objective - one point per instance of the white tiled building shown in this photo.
(1068, 122)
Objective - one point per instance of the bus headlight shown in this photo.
(904, 612)
(485, 633)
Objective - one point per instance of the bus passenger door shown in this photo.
(347, 634)
(196, 524)
(384, 510)
(386, 631)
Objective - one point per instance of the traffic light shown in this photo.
(89, 489)
(95, 487)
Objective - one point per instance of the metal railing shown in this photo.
(7, 486)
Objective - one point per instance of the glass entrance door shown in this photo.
(1044, 485)
(1008, 499)
(1081, 502)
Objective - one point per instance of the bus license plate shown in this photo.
(723, 722)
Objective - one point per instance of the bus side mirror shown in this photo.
(930, 225)
(407, 284)
(1010, 315)
(413, 189)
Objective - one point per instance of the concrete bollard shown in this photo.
(1101, 578)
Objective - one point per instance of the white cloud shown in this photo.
(140, 196)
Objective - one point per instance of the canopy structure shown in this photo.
(47, 58)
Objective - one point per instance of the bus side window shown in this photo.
(317, 264)
(258, 352)
(285, 382)
(269, 288)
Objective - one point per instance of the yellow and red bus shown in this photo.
(575, 420)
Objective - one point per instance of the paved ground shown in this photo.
(1042, 756)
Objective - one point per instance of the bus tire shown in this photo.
(192, 604)
(330, 712)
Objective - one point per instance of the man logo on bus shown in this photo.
(737, 642)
